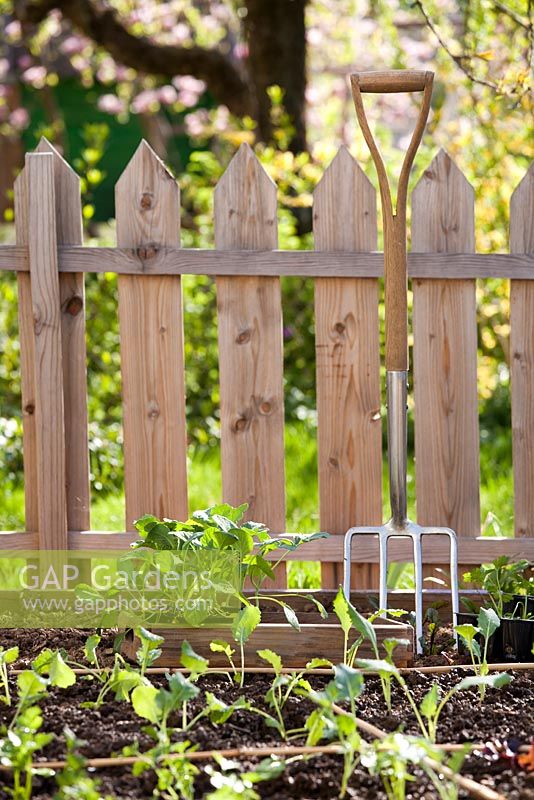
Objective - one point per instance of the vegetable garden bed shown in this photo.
(504, 715)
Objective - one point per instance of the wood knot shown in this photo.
(333, 462)
(429, 174)
(73, 306)
(153, 411)
(146, 200)
(266, 407)
(339, 327)
(147, 252)
(29, 408)
(241, 424)
(243, 337)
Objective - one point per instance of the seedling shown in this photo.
(219, 646)
(150, 649)
(175, 776)
(280, 691)
(501, 579)
(393, 756)
(326, 722)
(487, 623)
(6, 657)
(22, 740)
(231, 784)
(73, 781)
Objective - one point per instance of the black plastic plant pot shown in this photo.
(518, 639)
(516, 606)
(495, 648)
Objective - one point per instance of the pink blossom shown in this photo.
(181, 33)
(145, 101)
(222, 118)
(189, 84)
(167, 95)
(72, 45)
(196, 122)
(25, 61)
(13, 30)
(111, 104)
(19, 119)
(241, 50)
(36, 76)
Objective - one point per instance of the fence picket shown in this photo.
(445, 356)
(46, 306)
(72, 299)
(151, 332)
(522, 358)
(27, 359)
(250, 348)
(348, 376)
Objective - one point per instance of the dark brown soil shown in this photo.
(506, 714)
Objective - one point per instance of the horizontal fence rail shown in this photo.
(50, 262)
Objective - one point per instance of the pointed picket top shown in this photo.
(522, 215)
(68, 198)
(344, 207)
(147, 202)
(443, 209)
(245, 205)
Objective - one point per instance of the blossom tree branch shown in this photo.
(223, 76)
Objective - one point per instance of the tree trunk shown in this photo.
(276, 38)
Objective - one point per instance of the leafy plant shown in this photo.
(433, 702)
(393, 757)
(73, 781)
(23, 739)
(232, 784)
(487, 623)
(501, 579)
(7, 656)
(149, 650)
(175, 772)
(282, 688)
(220, 646)
(327, 721)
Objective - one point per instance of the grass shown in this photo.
(107, 512)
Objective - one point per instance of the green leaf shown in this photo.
(246, 622)
(495, 681)
(144, 703)
(429, 703)
(60, 673)
(180, 688)
(218, 646)
(319, 606)
(363, 626)
(315, 725)
(467, 632)
(191, 660)
(272, 658)
(219, 712)
(89, 648)
(348, 682)
(377, 665)
(488, 622)
(9, 656)
(291, 617)
(316, 663)
(341, 609)
(30, 684)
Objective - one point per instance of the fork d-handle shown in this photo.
(395, 261)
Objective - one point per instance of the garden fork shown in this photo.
(396, 314)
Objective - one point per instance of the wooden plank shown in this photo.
(349, 434)
(522, 358)
(72, 298)
(250, 349)
(27, 357)
(303, 263)
(294, 647)
(151, 333)
(435, 549)
(49, 413)
(445, 357)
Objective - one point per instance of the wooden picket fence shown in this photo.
(50, 262)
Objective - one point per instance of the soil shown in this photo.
(506, 714)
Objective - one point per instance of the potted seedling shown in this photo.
(509, 591)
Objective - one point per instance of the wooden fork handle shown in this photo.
(392, 80)
(394, 220)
